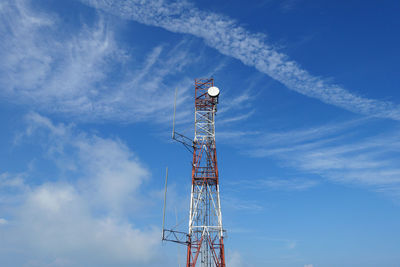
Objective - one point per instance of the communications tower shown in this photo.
(205, 238)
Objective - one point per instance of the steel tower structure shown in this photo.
(206, 235)
(205, 239)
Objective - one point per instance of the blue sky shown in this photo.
(307, 129)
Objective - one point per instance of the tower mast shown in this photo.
(206, 239)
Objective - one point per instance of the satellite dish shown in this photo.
(213, 91)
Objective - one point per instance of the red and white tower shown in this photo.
(205, 239)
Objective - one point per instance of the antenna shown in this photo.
(186, 141)
(171, 235)
(165, 202)
(173, 122)
(213, 91)
(179, 255)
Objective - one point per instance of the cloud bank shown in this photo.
(85, 214)
(223, 34)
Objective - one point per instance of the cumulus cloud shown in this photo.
(223, 34)
(84, 220)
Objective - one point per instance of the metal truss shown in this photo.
(206, 233)
(175, 236)
(205, 239)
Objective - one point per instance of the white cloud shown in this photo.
(56, 221)
(288, 5)
(11, 181)
(292, 245)
(241, 204)
(308, 265)
(87, 219)
(287, 184)
(236, 118)
(234, 259)
(292, 184)
(223, 34)
(84, 72)
(342, 152)
(3, 221)
(110, 170)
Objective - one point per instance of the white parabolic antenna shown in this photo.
(213, 91)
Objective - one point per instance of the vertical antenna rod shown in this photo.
(165, 202)
(180, 137)
(173, 122)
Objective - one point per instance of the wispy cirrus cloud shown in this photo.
(281, 184)
(234, 203)
(85, 73)
(288, 184)
(341, 152)
(225, 35)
